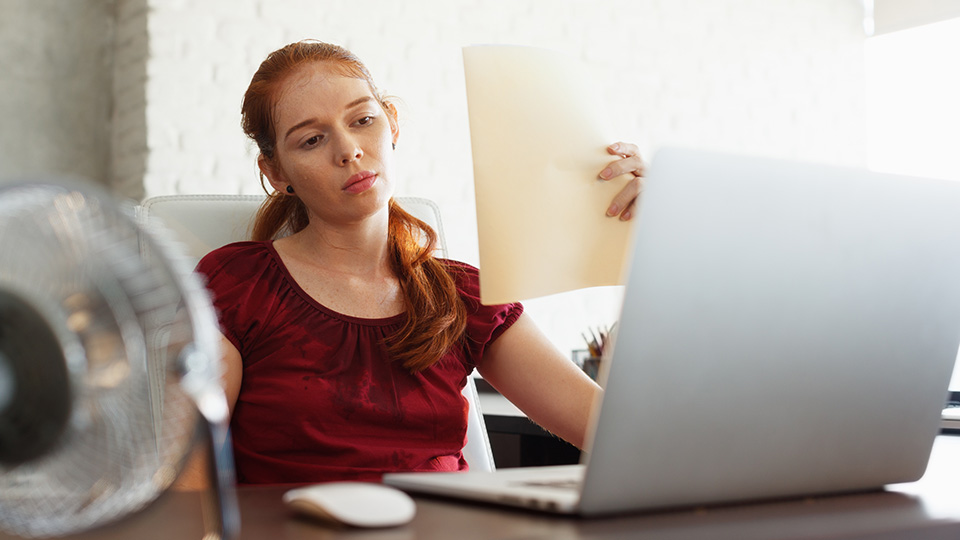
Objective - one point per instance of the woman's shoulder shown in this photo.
(467, 278)
(459, 266)
(485, 322)
(465, 275)
(238, 253)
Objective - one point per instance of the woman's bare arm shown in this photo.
(524, 366)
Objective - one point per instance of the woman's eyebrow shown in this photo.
(308, 121)
(358, 101)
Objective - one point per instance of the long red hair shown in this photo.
(435, 314)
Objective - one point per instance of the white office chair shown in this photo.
(203, 223)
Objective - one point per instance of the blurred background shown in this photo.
(143, 96)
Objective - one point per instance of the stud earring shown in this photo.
(290, 190)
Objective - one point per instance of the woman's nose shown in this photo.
(349, 151)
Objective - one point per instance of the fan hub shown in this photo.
(34, 383)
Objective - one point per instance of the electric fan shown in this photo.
(108, 364)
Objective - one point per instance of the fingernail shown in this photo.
(615, 147)
(606, 173)
(625, 216)
(612, 211)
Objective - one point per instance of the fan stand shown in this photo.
(221, 514)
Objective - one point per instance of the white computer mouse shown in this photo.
(357, 504)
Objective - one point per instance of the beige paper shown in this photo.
(538, 148)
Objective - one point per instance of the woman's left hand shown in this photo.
(625, 202)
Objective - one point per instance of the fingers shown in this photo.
(625, 202)
(623, 149)
(629, 162)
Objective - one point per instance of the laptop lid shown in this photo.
(787, 329)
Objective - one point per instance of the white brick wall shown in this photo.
(771, 77)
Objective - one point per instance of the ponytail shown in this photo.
(436, 316)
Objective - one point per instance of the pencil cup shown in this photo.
(588, 363)
(591, 365)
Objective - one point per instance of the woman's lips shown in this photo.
(360, 182)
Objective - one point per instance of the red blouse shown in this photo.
(320, 399)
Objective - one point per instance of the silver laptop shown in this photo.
(788, 329)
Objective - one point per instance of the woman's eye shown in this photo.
(365, 120)
(312, 141)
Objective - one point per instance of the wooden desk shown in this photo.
(925, 510)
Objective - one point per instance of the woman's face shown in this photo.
(334, 145)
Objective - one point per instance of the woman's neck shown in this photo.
(345, 268)
(356, 249)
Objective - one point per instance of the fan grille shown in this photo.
(123, 322)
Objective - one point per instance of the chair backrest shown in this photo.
(202, 223)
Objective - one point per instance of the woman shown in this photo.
(346, 344)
